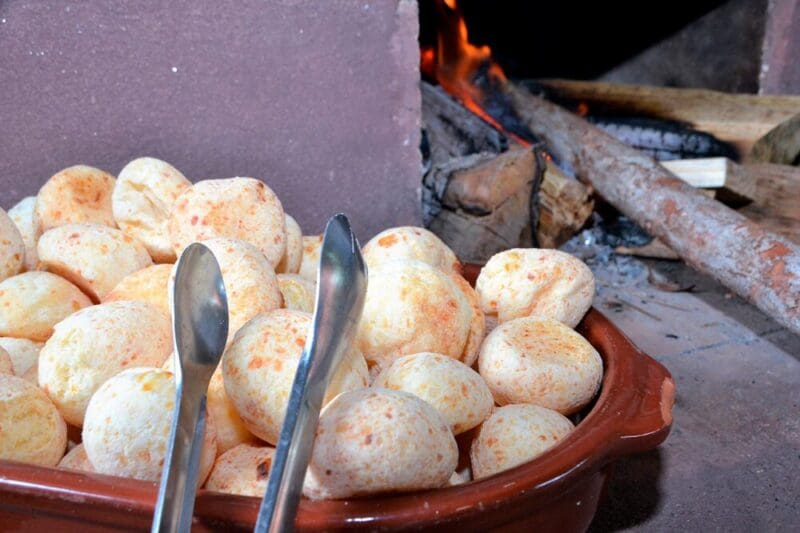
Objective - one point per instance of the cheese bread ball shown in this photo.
(410, 242)
(298, 292)
(76, 459)
(530, 360)
(236, 208)
(6, 365)
(477, 325)
(76, 195)
(378, 440)
(146, 189)
(32, 374)
(96, 343)
(454, 389)
(95, 258)
(24, 353)
(33, 302)
(242, 470)
(412, 307)
(149, 284)
(128, 424)
(259, 367)
(31, 430)
(309, 262)
(250, 281)
(230, 429)
(491, 323)
(12, 247)
(290, 262)
(513, 435)
(536, 282)
(24, 216)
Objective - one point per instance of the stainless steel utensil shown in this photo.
(200, 327)
(341, 288)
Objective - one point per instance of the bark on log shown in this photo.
(755, 263)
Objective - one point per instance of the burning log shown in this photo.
(483, 192)
(757, 264)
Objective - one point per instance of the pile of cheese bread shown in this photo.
(86, 346)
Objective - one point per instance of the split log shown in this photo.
(777, 188)
(565, 204)
(755, 263)
(780, 145)
(481, 190)
(714, 173)
(776, 202)
(486, 203)
(740, 119)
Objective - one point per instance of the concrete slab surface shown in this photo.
(732, 461)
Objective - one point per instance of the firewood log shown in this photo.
(482, 191)
(755, 263)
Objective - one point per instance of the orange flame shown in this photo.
(456, 61)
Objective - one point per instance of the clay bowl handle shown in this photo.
(651, 415)
(640, 410)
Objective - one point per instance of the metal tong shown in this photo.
(341, 289)
(200, 328)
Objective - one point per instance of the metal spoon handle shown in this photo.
(290, 462)
(199, 307)
(176, 494)
(341, 288)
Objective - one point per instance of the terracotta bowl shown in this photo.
(558, 491)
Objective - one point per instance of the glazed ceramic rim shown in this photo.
(632, 413)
